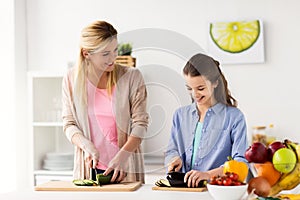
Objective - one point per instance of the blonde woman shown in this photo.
(104, 109)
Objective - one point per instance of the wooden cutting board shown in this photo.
(180, 189)
(69, 186)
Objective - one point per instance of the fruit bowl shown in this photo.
(221, 192)
(275, 167)
(278, 182)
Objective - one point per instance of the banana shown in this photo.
(287, 182)
(290, 196)
(294, 146)
(290, 180)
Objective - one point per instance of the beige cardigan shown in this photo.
(131, 118)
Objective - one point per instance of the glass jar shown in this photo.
(270, 134)
(259, 134)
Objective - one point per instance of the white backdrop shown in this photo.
(7, 100)
(267, 92)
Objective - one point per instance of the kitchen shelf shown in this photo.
(51, 124)
(45, 92)
(53, 172)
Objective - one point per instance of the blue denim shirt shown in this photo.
(224, 134)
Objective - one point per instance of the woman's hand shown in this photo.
(91, 154)
(175, 164)
(193, 177)
(92, 158)
(119, 164)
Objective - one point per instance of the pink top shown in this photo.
(102, 123)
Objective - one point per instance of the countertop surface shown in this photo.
(144, 192)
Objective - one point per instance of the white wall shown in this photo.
(7, 100)
(23, 148)
(267, 92)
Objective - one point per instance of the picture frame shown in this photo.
(237, 42)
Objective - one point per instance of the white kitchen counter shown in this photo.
(145, 192)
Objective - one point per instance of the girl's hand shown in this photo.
(175, 165)
(193, 177)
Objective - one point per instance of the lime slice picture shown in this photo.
(235, 37)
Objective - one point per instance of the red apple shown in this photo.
(257, 153)
(274, 146)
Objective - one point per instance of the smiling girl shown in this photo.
(209, 130)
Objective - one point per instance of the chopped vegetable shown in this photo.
(84, 182)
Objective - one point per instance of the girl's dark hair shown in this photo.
(203, 65)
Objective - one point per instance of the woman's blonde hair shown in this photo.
(94, 38)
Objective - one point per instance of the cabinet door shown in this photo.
(49, 139)
(46, 128)
(46, 99)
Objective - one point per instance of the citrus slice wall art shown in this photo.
(237, 42)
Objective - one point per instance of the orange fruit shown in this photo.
(267, 171)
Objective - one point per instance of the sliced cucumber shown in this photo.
(79, 182)
(84, 182)
(89, 182)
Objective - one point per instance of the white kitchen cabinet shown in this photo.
(46, 131)
(46, 125)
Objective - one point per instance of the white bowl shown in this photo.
(59, 156)
(220, 192)
(58, 162)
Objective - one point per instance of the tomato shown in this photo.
(227, 182)
(234, 176)
(219, 181)
(236, 183)
(213, 180)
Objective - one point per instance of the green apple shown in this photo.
(284, 160)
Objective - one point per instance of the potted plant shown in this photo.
(124, 55)
(124, 49)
